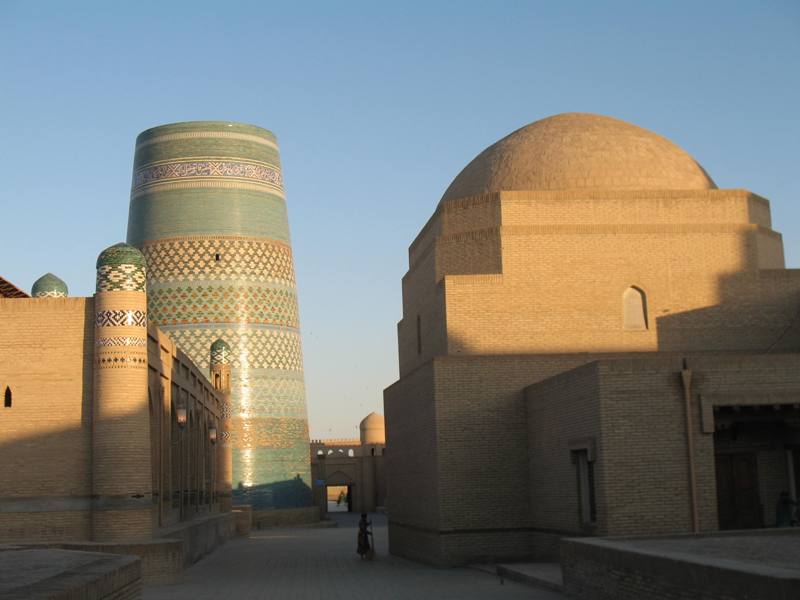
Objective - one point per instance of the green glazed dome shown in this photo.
(121, 268)
(121, 254)
(49, 286)
(220, 353)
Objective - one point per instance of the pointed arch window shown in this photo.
(634, 309)
(7, 397)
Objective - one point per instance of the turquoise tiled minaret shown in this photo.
(208, 211)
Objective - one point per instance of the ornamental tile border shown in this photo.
(120, 318)
(208, 168)
(50, 294)
(120, 341)
(122, 361)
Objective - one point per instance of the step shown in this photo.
(539, 574)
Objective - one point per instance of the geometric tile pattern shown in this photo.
(122, 361)
(272, 394)
(252, 348)
(223, 304)
(120, 341)
(220, 354)
(221, 258)
(251, 170)
(121, 278)
(50, 294)
(267, 432)
(119, 318)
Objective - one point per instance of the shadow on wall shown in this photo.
(756, 313)
(290, 493)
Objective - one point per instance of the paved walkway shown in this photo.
(322, 564)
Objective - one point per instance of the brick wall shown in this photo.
(516, 287)
(643, 427)
(542, 250)
(47, 362)
(561, 409)
(411, 462)
(47, 352)
(633, 408)
(411, 450)
(184, 461)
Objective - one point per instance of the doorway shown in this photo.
(738, 497)
(340, 498)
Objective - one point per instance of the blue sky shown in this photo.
(377, 106)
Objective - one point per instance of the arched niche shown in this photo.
(634, 309)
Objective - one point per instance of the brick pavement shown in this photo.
(303, 563)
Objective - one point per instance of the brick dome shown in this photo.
(580, 151)
(372, 429)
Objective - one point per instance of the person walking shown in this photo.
(365, 549)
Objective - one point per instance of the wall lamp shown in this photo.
(181, 415)
(212, 434)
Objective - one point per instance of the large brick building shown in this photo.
(596, 340)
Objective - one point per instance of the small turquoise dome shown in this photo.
(49, 286)
(220, 353)
(121, 268)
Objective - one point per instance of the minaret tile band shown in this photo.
(234, 169)
(208, 213)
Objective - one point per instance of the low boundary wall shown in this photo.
(68, 575)
(202, 536)
(625, 569)
(163, 559)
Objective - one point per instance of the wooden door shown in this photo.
(738, 498)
